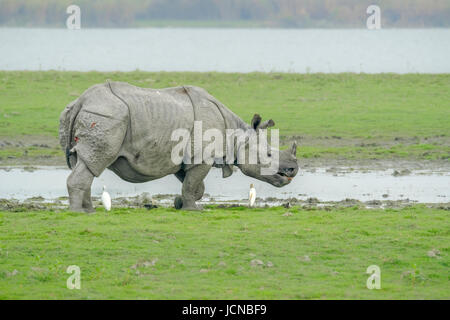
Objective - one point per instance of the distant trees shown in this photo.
(268, 13)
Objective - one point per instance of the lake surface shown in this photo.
(323, 184)
(227, 50)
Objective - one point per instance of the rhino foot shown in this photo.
(194, 207)
(178, 203)
(81, 209)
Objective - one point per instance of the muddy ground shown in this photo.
(46, 151)
(166, 201)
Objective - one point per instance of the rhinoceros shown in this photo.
(128, 130)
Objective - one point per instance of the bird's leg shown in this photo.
(193, 186)
(79, 188)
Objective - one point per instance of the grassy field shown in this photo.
(163, 253)
(237, 253)
(337, 116)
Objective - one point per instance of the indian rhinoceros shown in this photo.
(128, 130)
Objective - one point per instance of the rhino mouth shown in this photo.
(288, 173)
(284, 177)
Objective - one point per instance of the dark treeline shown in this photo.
(263, 13)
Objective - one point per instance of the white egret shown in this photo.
(106, 199)
(252, 196)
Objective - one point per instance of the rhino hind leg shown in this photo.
(79, 187)
(193, 187)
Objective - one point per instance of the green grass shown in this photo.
(208, 255)
(396, 116)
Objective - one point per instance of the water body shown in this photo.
(227, 50)
(324, 184)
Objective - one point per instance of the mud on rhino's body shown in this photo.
(128, 130)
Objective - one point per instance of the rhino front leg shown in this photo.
(200, 187)
(193, 186)
(79, 187)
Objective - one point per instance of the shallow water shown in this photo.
(227, 50)
(324, 184)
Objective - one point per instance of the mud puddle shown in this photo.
(40, 185)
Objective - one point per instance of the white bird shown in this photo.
(251, 196)
(106, 199)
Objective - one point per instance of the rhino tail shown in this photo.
(68, 153)
(66, 123)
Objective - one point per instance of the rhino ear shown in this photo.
(256, 121)
(294, 148)
(266, 124)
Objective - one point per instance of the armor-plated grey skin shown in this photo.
(128, 130)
